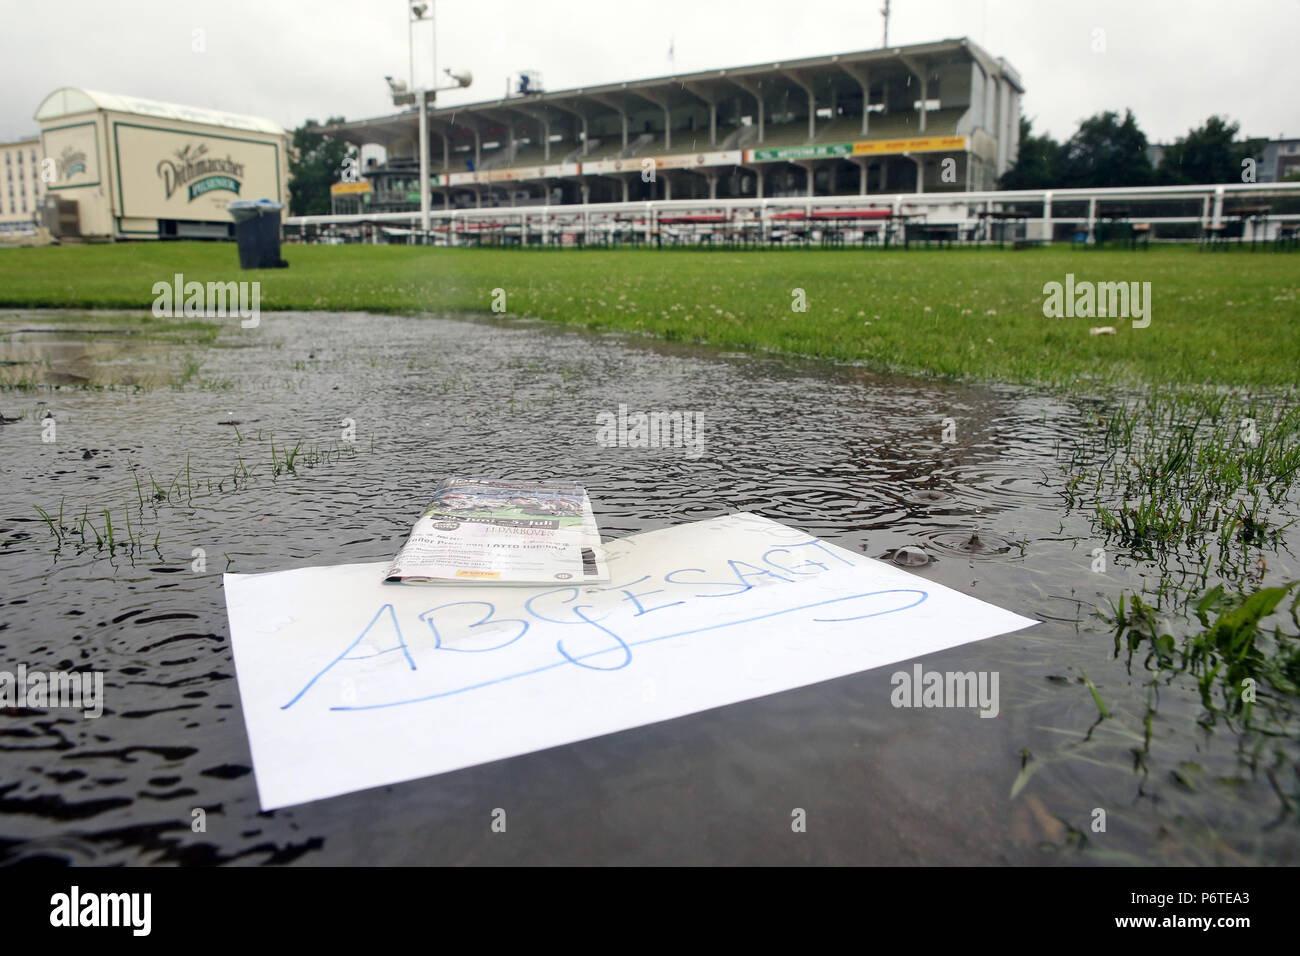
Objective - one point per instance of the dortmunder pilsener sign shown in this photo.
(187, 175)
(70, 162)
(191, 167)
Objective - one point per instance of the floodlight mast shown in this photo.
(417, 8)
(422, 96)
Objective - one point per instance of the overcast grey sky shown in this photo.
(1174, 62)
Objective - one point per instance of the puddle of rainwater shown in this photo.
(856, 458)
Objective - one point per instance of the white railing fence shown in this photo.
(1265, 211)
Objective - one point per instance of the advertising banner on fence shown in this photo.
(634, 164)
(925, 144)
(348, 189)
(513, 174)
(813, 151)
(922, 144)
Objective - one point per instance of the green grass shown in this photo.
(1220, 319)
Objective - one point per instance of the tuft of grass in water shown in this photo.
(1195, 490)
(1096, 696)
(185, 486)
(1238, 663)
(1201, 479)
(291, 456)
(1231, 652)
(188, 372)
(110, 539)
(55, 529)
(1246, 672)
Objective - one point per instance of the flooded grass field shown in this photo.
(186, 449)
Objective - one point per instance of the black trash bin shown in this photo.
(257, 230)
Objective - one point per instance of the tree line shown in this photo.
(1111, 150)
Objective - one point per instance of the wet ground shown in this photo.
(191, 446)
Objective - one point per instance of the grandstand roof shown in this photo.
(675, 90)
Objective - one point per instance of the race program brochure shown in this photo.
(503, 532)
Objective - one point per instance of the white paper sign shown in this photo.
(348, 683)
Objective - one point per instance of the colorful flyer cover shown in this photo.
(503, 532)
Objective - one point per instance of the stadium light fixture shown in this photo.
(407, 93)
(401, 95)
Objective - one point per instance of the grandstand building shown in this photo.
(932, 117)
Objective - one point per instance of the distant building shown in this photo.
(1278, 158)
(20, 190)
(1281, 158)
